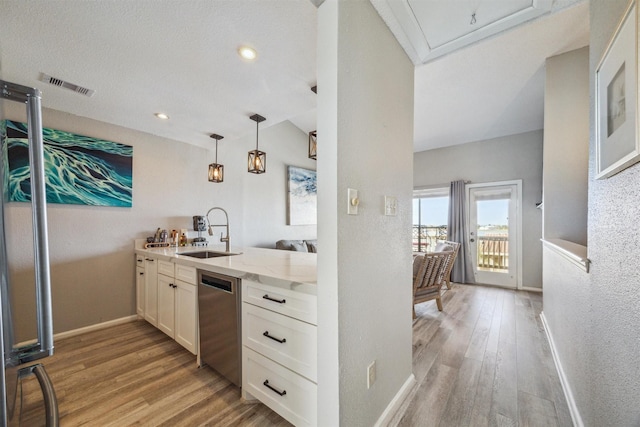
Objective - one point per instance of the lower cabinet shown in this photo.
(151, 290)
(170, 300)
(279, 354)
(140, 285)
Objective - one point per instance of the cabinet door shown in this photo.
(166, 301)
(140, 276)
(186, 330)
(151, 291)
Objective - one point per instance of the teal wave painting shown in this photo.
(79, 170)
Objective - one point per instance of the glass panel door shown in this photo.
(493, 233)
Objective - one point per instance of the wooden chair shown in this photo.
(428, 276)
(452, 259)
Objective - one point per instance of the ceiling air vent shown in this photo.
(61, 83)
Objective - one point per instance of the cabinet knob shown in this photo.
(141, 273)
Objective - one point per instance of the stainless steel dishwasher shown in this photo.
(219, 319)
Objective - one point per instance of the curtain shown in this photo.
(462, 271)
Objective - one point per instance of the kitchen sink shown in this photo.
(206, 254)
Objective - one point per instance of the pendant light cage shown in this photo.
(257, 160)
(216, 170)
(313, 145)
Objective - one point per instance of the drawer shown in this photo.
(139, 261)
(285, 301)
(294, 397)
(288, 341)
(186, 274)
(166, 268)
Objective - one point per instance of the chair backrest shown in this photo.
(452, 259)
(430, 269)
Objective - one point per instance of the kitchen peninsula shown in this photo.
(278, 309)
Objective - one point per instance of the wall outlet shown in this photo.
(371, 374)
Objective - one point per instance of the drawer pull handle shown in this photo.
(279, 301)
(281, 341)
(269, 386)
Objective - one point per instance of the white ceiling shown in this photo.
(143, 57)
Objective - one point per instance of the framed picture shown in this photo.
(79, 170)
(617, 143)
(303, 196)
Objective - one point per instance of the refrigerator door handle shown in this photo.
(49, 394)
(39, 210)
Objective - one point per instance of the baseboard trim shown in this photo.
(95, 327)
(396, 403)
(530, 289)
(568, 394)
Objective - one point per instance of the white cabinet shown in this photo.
(167, 297)
(178, 304)
(140, 284)
(166, 304)
(186, 315)
(151, 290)
(279, 357)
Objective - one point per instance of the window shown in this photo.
(430, 218)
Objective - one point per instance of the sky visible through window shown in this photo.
(435, 210)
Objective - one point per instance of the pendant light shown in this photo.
(257, 158)
(313, 145)
(216, 170)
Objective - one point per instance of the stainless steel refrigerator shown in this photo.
(21, 355)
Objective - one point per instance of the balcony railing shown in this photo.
(425, 238)
(493, 252)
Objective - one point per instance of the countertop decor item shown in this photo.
(617, 144)
(216, 170)
(257, 158)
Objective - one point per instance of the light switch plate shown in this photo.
(390, 205)
(352, 201)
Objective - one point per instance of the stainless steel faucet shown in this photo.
(226, 225)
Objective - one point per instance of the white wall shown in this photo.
(264, 221)
(594, 318)
(91, 248)
(365, 116)
(500, 159)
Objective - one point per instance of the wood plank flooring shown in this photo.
(483, 361)
(133, 374)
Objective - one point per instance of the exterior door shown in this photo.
(495, 232)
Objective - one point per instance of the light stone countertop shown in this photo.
(285, 269)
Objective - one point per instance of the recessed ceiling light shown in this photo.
(162, 116)
(247, 53)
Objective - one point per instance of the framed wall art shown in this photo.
(79, 170)
(616, 109)
(303, 196)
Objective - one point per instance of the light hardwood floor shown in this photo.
(483, 361)
(133, 374)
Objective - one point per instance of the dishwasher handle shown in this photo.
(219, 283)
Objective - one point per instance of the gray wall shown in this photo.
(91, 248)
(365, 120)
(501, 159)
(566, 146)
(594, 318)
